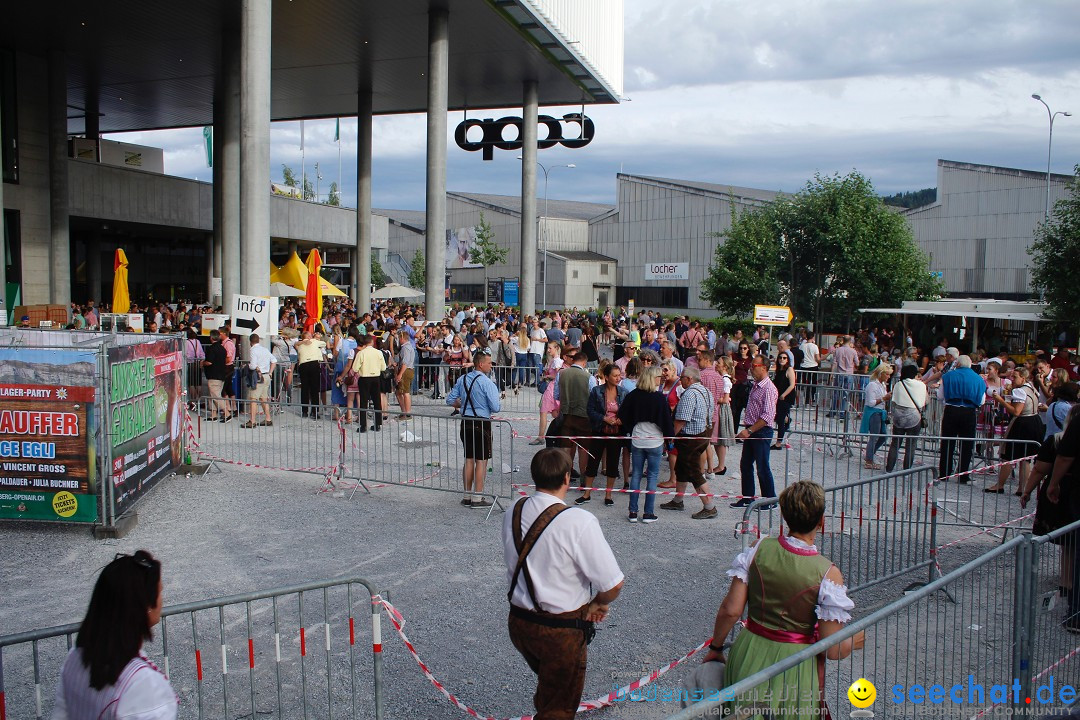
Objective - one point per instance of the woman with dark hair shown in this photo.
(793, 597)
(740, 391)
(603, 408)
(106, 674)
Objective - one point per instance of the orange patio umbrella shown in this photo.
(314, 292)
(121, 301)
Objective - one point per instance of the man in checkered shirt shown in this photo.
(693, 428)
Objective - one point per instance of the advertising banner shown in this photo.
(48, 461)
(494, 291)
(460, 243)
(510, 292)
(145, 420)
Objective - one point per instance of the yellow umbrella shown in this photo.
(121, 302)
(293, 273)
(329, 289)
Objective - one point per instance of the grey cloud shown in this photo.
(698, 42)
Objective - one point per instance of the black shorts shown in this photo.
(476, 436)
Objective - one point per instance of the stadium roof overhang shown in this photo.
(155, 64)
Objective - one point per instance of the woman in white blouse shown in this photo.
(908, 405)
(793, 597)
(106, 674)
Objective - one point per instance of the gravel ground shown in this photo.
(247, 529)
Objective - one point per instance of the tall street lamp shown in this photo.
(1049, 146)
(546, 172)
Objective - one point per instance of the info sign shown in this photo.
(47, 456)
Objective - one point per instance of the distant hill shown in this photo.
(911, 199)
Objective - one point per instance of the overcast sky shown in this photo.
(762, 94)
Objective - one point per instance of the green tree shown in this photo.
(333, 197)
(378, 277)
(418, 271)
(485, 250)
(825, 251)
(1055, 255)
(309, 190)
(288, 175)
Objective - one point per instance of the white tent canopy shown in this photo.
(967, 307)
(395, 290)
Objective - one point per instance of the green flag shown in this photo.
(208, 140)
(337, 130)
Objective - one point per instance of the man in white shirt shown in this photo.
(556, 556)
(263, 361)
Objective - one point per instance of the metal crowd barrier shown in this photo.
(421, 449)
(876, 529)
(298, 645)
(991, 652)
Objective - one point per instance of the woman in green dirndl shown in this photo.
(793, 597)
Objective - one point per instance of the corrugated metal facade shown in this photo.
(980, 228)
(588, 24)
(664, 221)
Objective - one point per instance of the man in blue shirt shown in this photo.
(963, 392)
(477, 397)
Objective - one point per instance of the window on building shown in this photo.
(467, 293)
(646, 296)
(603, 269)
(573, 275)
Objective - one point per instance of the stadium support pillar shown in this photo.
(435, 245)
(93, 267)
(227, 168)
(529, 110)
(255, 148)
(60, 235)
(361, 265)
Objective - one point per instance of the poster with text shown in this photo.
(48, 460)
(145, 420)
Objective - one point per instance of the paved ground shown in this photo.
(246, 529)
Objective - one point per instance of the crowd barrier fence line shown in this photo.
(288, 640)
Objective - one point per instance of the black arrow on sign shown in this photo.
(251, 324)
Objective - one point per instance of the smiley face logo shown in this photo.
(862, 693)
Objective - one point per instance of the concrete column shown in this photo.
(361, 265)
(211, 268)
(435, 246)
(255, 148)
(93, 267)
(354, 272)
(60, 236)
(530, 108)
(293, 247)
(216, 239)
(227, 168)
(93, 118)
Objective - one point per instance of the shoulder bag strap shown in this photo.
(525, 546)
(908, 392)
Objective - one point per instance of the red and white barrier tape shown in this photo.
(267, 467)
(984, 531)
(982, 470)
(627, 491)
(398, 621)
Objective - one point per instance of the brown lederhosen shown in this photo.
(553, 644)
(688, 460)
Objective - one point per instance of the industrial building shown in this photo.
(978, 231)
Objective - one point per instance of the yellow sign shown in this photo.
(772, 315)
(862, 693)
(65, 504)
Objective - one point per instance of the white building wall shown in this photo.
(595, 27)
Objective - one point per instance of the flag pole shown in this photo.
(337, 132)
(303, 165)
